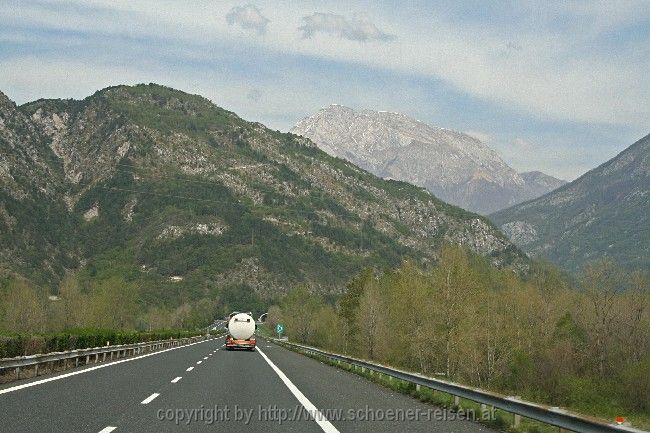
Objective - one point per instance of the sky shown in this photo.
(556, 86)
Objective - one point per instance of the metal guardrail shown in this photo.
(549, 415)
(92, 355)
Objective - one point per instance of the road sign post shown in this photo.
(279, 328)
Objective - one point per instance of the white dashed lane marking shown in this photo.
(150, 398)
(108, 429)
(176, 379)
(189, 369)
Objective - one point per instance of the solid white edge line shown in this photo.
(320, 419)
(150, 398)
(108, 429)
(97, 367)
(176, 379)
(189, 369)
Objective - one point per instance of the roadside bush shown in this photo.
(30, 344)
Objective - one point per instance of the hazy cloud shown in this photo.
(523, 146)
(361, 30)
(248, 17)
(254, 95)
(513, 46)
(481, 136)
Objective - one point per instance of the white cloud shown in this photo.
(479, 135)
(248, 17)
(361, 29)
(522, 146)
(255, 95)
(562, 71)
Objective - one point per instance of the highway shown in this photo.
(203, 388)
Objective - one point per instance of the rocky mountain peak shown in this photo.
(454, 166)
(7, 106)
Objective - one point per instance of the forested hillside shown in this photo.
(167, 210)
(604, 213)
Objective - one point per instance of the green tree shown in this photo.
(299, 312)
(456, 284)
(602, 280)
(24, 307)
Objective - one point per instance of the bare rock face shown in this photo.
(455, 167)
(604, 213)
(91, 213)
(206, 229)
(520, 232)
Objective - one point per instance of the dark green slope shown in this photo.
(604, 213)
(34, 225)
(186, 200)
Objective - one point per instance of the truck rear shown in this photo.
(241, 332)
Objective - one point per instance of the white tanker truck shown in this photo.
(241, 331)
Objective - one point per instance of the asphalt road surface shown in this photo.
(204, 388)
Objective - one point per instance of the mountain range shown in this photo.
(185, 200)
(604, 213)
(454, 166)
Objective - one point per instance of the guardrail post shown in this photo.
(96, 357)
(104, 357)
(76, 362)
(457, 401)
(87, 359)
(35, 370)
(417, 387)
(516, 418)
(18, 372)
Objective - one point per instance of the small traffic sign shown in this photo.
(279, 328)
